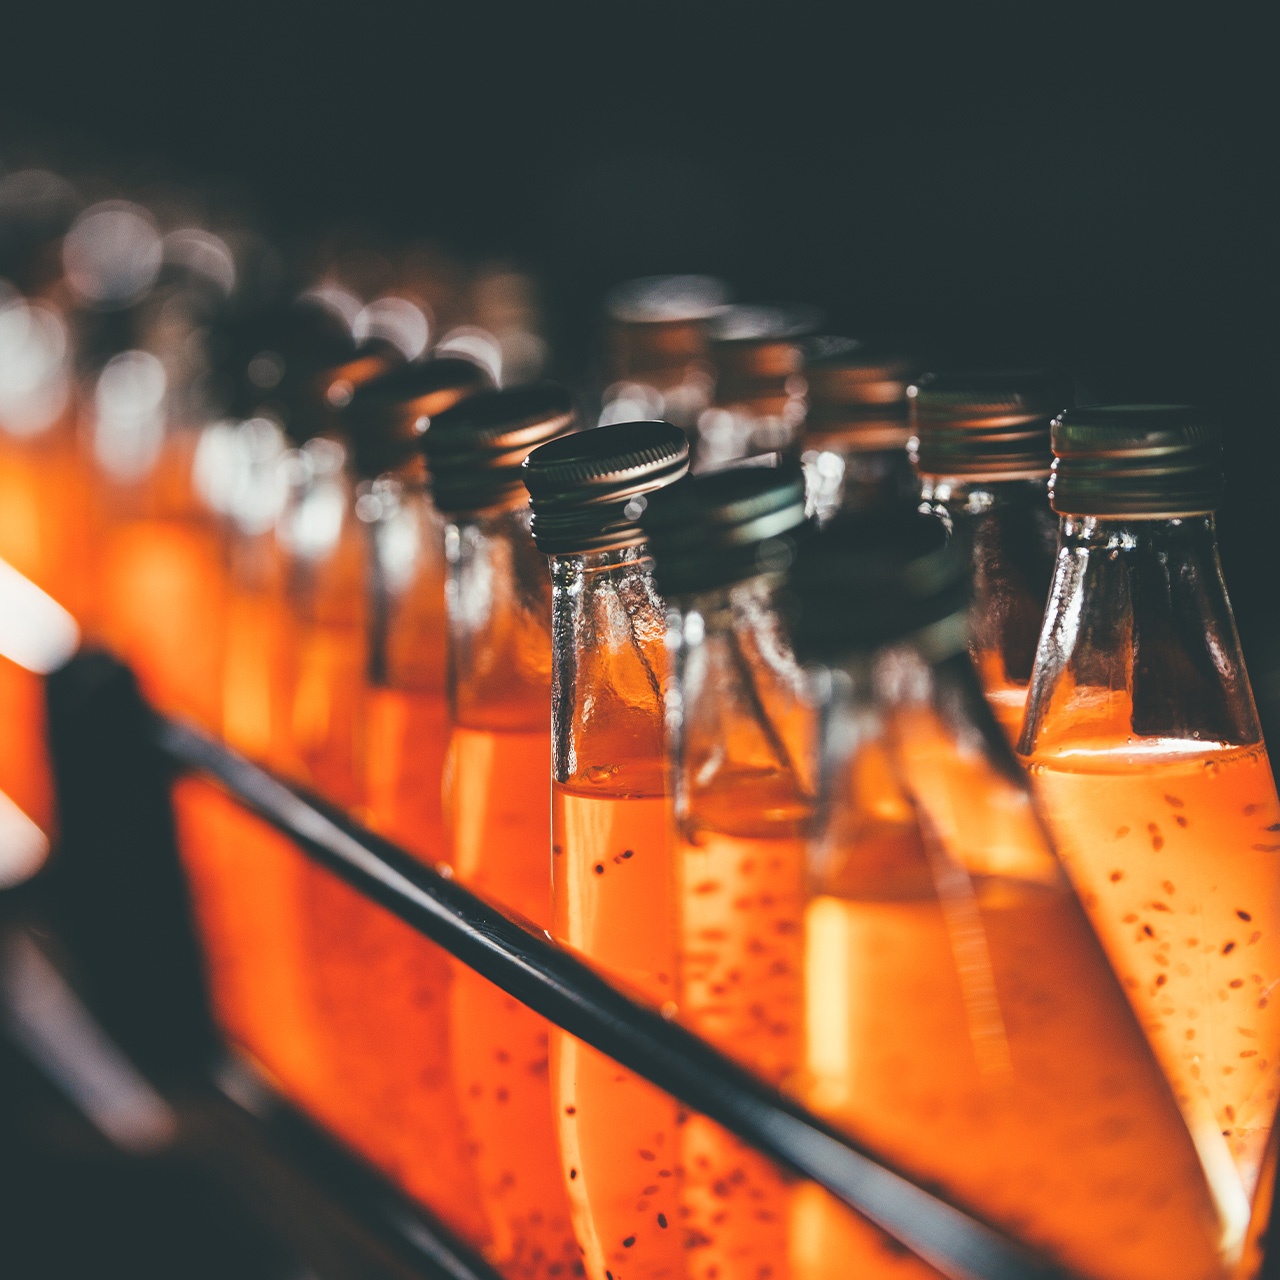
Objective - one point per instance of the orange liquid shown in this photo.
(25, 773)
(162, 604)
(613, 873)
(244, 877)
(962, 1018)
(1009, 703)
(1176, 860)
(498, 803)
(741, 891)
(46, 515)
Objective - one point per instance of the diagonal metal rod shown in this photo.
(556, 984)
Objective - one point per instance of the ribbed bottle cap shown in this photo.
(1139, 460)
(474, 450)
(985, 426)
(581, 486)
(856, 394)
(388, 414)
(870, 580)
(713, 530)
(756, 348)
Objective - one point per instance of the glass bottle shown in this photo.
(756, 354)
(380, 991)
(612, 864)
(1143, 741)
(498, 800)
(981, 448)
(855, 428)
(961, 1016)
(657, 358)
(740, 754)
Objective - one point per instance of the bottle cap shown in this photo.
(711, 531)
(985, 426)
(582, 486)
(387, 415)
(755, 349)
(1143, 461)
(475, 449)
(658, 325)
(869, 580)
(857, 397)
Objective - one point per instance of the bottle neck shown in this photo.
(1010, 534)
(739, 723)
(608, 671)
(1139, 650)
(498, 613)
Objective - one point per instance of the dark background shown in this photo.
(1092, 188)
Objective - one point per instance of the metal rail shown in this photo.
(528, 965)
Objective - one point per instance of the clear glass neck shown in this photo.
(498, 604)
(739, 722)
(1139, 647)
(1010, 532)
(608, 673)
(841, 478)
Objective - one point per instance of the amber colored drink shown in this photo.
(962, 1018)
(740, 879)
(613, 864)
(498, 806)
(1175, 855)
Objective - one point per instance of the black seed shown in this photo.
(662, 1221)
(1244, 915)
(599, 868)
(628, 1242)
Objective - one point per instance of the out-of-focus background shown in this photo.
(996, 184)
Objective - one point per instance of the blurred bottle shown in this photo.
(381, 992)
(267, 369)
(758, 406)
(960, 1014)
(325, 585)
(855, 428)
(1143, 741)
(657, 359)
(740, 748)
(612, 864)
(981, 447)
(498, 801)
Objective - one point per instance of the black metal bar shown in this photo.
(550, 980)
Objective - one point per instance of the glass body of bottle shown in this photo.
(1142, 739)
(612, 868)
(960, 1014)
(742, 792)
(981, 449)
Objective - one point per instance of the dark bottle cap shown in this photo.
(298, 363)
(666, 299)
(870, 580)
(1149, 461)
(857, 396)
(387, 415)
(755, 349)
(711, 531)
(474, 450)
(582, 486)
(985, 426)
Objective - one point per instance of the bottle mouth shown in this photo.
(474, 449)
(985, 425)
(713, 531)
(857, 398)
(1137, 461)
(660, 300)
(876, 579)
(583, 487)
